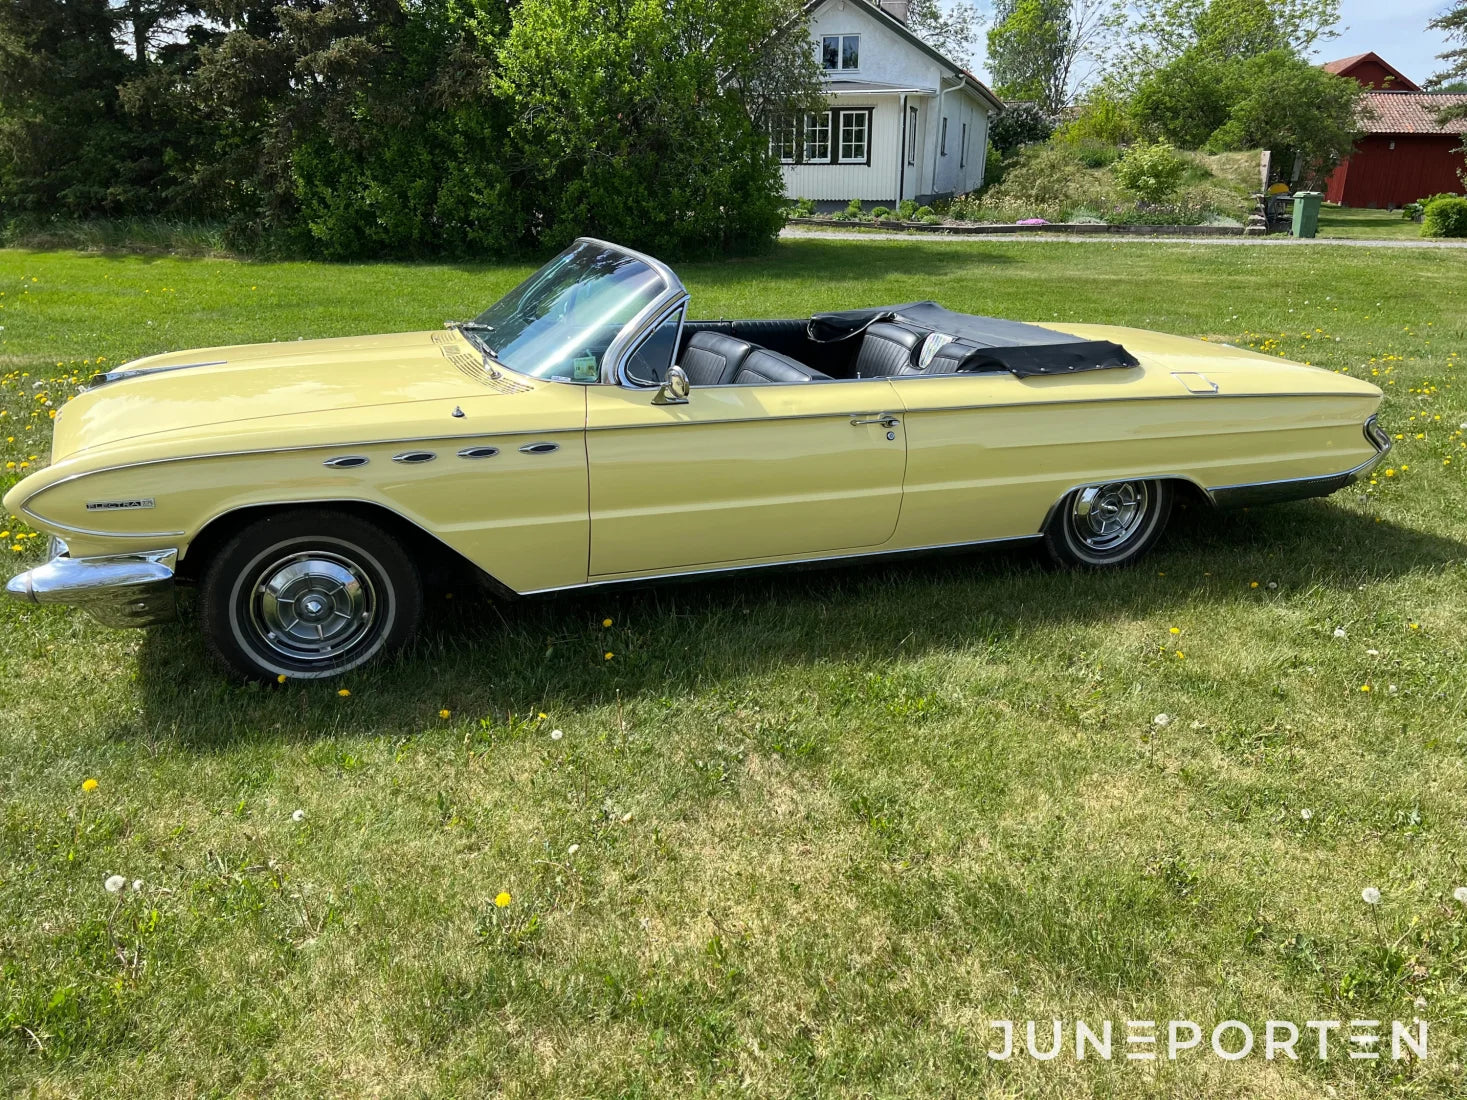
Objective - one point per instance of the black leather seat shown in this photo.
(887, 349)
(764, 366)
(712, 359)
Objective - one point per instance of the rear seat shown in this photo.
(889, 348)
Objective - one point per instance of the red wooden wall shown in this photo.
(1377, 175)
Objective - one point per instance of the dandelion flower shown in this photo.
(343, 693)
(556, 735)
(605, 622)
(1175, 630)
(280, 679)
(1162, 720)
(114, 883)
(502, 899)
(1460, 893)
(542, 716)
(1364, 687)
(1306, 814)
(445, 713)
(610, 655)
(1415, 626)
(1252, 584)
(89, 784)
(1181, 656)
(298, 816)
(1370, 896)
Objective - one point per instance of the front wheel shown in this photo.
(1108, 524)
(309, 596)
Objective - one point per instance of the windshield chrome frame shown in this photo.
(654, 311)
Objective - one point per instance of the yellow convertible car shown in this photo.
(583, 431)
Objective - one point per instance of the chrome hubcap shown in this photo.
(313, 606)
(1105, 516)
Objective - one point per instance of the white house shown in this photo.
(904, 121)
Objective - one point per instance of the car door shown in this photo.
(741, 474)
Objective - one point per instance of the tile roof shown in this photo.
(1411, 113)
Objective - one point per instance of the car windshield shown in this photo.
(559, 322)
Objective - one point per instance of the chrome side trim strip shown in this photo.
(832, 559)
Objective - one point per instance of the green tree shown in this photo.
(1453, 23)
(1161, 31)
(1044, 51)
(951, 29)
(647, 122)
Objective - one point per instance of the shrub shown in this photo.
(923, 212)
(880, 212)
(1104, 121)
(853, 209)
(907, 209)
(1445, 217)
(1150, 172)
(804, 208)
(1095, 154)
(929, 219)
(1413, 210)
(1156, 214)
(1020, 124)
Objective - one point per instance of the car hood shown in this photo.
(203, 386)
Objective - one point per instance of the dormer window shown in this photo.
(840, 52)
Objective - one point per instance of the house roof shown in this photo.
(1343, 66)
(1411, 112)
(967, 79)
(871, 87)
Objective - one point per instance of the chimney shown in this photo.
(897, 9)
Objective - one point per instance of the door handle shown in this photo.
(886, 420)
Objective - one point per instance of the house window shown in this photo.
(963, 148)
(911, 135)
(854, 129)
(784, 138)
(840, 51)
(817, 138)
(942, 141)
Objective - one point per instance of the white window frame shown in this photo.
(911, 136)
(840, 53)
(864, 126)
(817, 123)
(785, 128)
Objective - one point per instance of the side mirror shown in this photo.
(674, 391)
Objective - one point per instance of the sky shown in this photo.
(1395, 29)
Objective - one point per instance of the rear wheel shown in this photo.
(286, 598)
(1108, 524)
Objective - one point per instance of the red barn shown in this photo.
(1405, 153)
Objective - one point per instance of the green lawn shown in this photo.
(803, 834)
(1369, 225)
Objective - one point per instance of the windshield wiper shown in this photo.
(469, 326)
(490, 354)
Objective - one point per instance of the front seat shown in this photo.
(765, 366)
(888, 348)
(712, 359)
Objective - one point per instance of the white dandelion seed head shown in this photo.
(1162, 720)
(1420, 1002)
(1307, 814)
(1372, 653)
(137, 884)
(114, 883)
(1339, 632)
(556, 735)
(298, 816)
(1460, 893)
(1391, 689)
(573, 849)
(1273, 584)
(1370, 896)
(626, 817)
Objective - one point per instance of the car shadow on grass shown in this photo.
(741, 633)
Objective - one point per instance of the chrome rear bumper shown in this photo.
(118, 590)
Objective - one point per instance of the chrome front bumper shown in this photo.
(118, 590)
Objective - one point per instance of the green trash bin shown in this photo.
(1306, 213)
